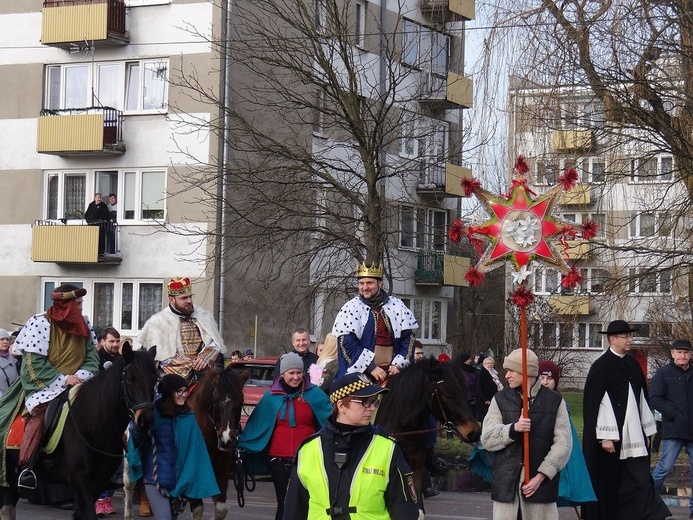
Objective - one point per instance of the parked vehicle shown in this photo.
(261, 370)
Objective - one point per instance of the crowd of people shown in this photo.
(315, 418)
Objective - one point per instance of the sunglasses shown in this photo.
(367, 403)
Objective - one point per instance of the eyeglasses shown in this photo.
(181, 392)
(367, 403)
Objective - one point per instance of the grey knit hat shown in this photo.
(290, 361)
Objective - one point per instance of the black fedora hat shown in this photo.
(618, 327)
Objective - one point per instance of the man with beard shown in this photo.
(374, 330)
(187, 337)
(57, 349)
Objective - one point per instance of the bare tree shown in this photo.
(314, 160)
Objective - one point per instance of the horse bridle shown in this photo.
(128, 400)
(448, 425)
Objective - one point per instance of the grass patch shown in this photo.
(574, 402)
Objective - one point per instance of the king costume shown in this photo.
(178, 334)
(53, 346)
(365, 327)
(616, 408)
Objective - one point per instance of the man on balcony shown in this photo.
(374, 330)
(97, 214)
(187, 337)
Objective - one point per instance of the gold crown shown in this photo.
(178, 286)
(374, 271)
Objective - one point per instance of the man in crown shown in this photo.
(374, 330)
(186, 337)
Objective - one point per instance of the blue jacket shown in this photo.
(671, 393)
(183, 465)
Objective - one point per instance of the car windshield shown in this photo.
(260, 376)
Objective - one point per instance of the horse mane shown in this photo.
(230, 383)
(96, 398)
(409, 391)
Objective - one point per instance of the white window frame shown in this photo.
(91, 188)
(581, 218)
(587, 331)
(661, 280)
(546, 281)
(660, 169)
(93, 80)
(423, 234)
(360, 23)
(425, 331)
(425, 48)
(88, 306)
(586, 166)
(662, 221)
(541, 169)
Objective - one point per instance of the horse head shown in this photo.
(227, 402)
(138, 383)
(449, 400)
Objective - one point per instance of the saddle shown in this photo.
(54, 422)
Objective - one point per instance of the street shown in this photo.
(260, 505)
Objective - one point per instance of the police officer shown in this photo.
(367, 476)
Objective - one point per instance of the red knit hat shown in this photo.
(549, 368)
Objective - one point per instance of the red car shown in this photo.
(260, 380)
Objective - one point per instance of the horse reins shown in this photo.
(131, 414)
(448, 426)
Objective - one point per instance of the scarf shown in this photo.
(376, 300)
(67, 316)
(496, 379)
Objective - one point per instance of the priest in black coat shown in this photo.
(618, 457)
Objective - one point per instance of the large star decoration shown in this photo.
(521, 229)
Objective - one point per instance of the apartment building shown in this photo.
(95, 100)
(626, 185)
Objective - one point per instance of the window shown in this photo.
(645, 225)
(133, 86)
(320, 16)
(319, 113)
(424, 48)
(430, 314)
(547, 172)
(144, 194)
(652, 169)
(360, 23)
(592, 169)
(649, 281)
(589, 335)
(141, 194)
(123, 304)
(426, 139)
(581, 114)
(422, 228)
(545, 281)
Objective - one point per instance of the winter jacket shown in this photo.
(671, 393)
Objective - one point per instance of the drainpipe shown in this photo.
(224, 154)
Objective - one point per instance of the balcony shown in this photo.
(70, 22)
(574, 304)
(441, 179)
(437, 268)
(578, 250)
(571, 140)
(455, 91)
(448, 10)
(54, 241)
(82, 131)
(577, 196)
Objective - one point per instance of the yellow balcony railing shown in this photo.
(578, 249)
(571, 140)
(577, 195)
(75, 21)
(574, 304)
(95, 130)
(65, 244)
(454, 268)
(453, 179)
(460, 90)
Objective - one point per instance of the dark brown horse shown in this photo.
(217, 400)
(425, 388)
(91, 446)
